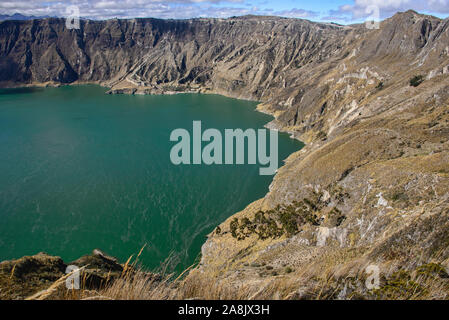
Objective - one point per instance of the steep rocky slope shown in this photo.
(371, 185)
(27, 276)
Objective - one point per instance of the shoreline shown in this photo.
(136, 90)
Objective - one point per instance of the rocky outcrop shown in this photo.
(21, 278)
(371, 185)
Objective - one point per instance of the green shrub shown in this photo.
(380, 86)
(288, 270)
(282, 220)
(400, 286)
(233, 226)
(416, 80)
(322, 135)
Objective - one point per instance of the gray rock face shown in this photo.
(228, 54)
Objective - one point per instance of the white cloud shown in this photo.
(297, 13)
(105, 9)
(360, 8)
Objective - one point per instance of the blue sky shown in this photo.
(341, 11)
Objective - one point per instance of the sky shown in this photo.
(340, 11)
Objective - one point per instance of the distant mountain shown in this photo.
(18, 16)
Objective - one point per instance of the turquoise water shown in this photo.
(80, 170)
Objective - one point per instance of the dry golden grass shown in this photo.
(323, 279)
(138, 286)
(307, 284)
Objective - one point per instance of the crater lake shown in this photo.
(81, 169)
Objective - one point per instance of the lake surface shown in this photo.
(80, 169)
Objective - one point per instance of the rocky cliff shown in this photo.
(369, 189)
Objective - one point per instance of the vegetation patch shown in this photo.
(426, 280)
(283, 220)
(336, 217)
(416, 80)
(400, 285)
(399, 196)
(322, 135)
(380, 86)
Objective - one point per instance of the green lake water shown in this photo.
(80, 169)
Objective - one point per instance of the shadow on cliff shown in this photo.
(10, 72)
